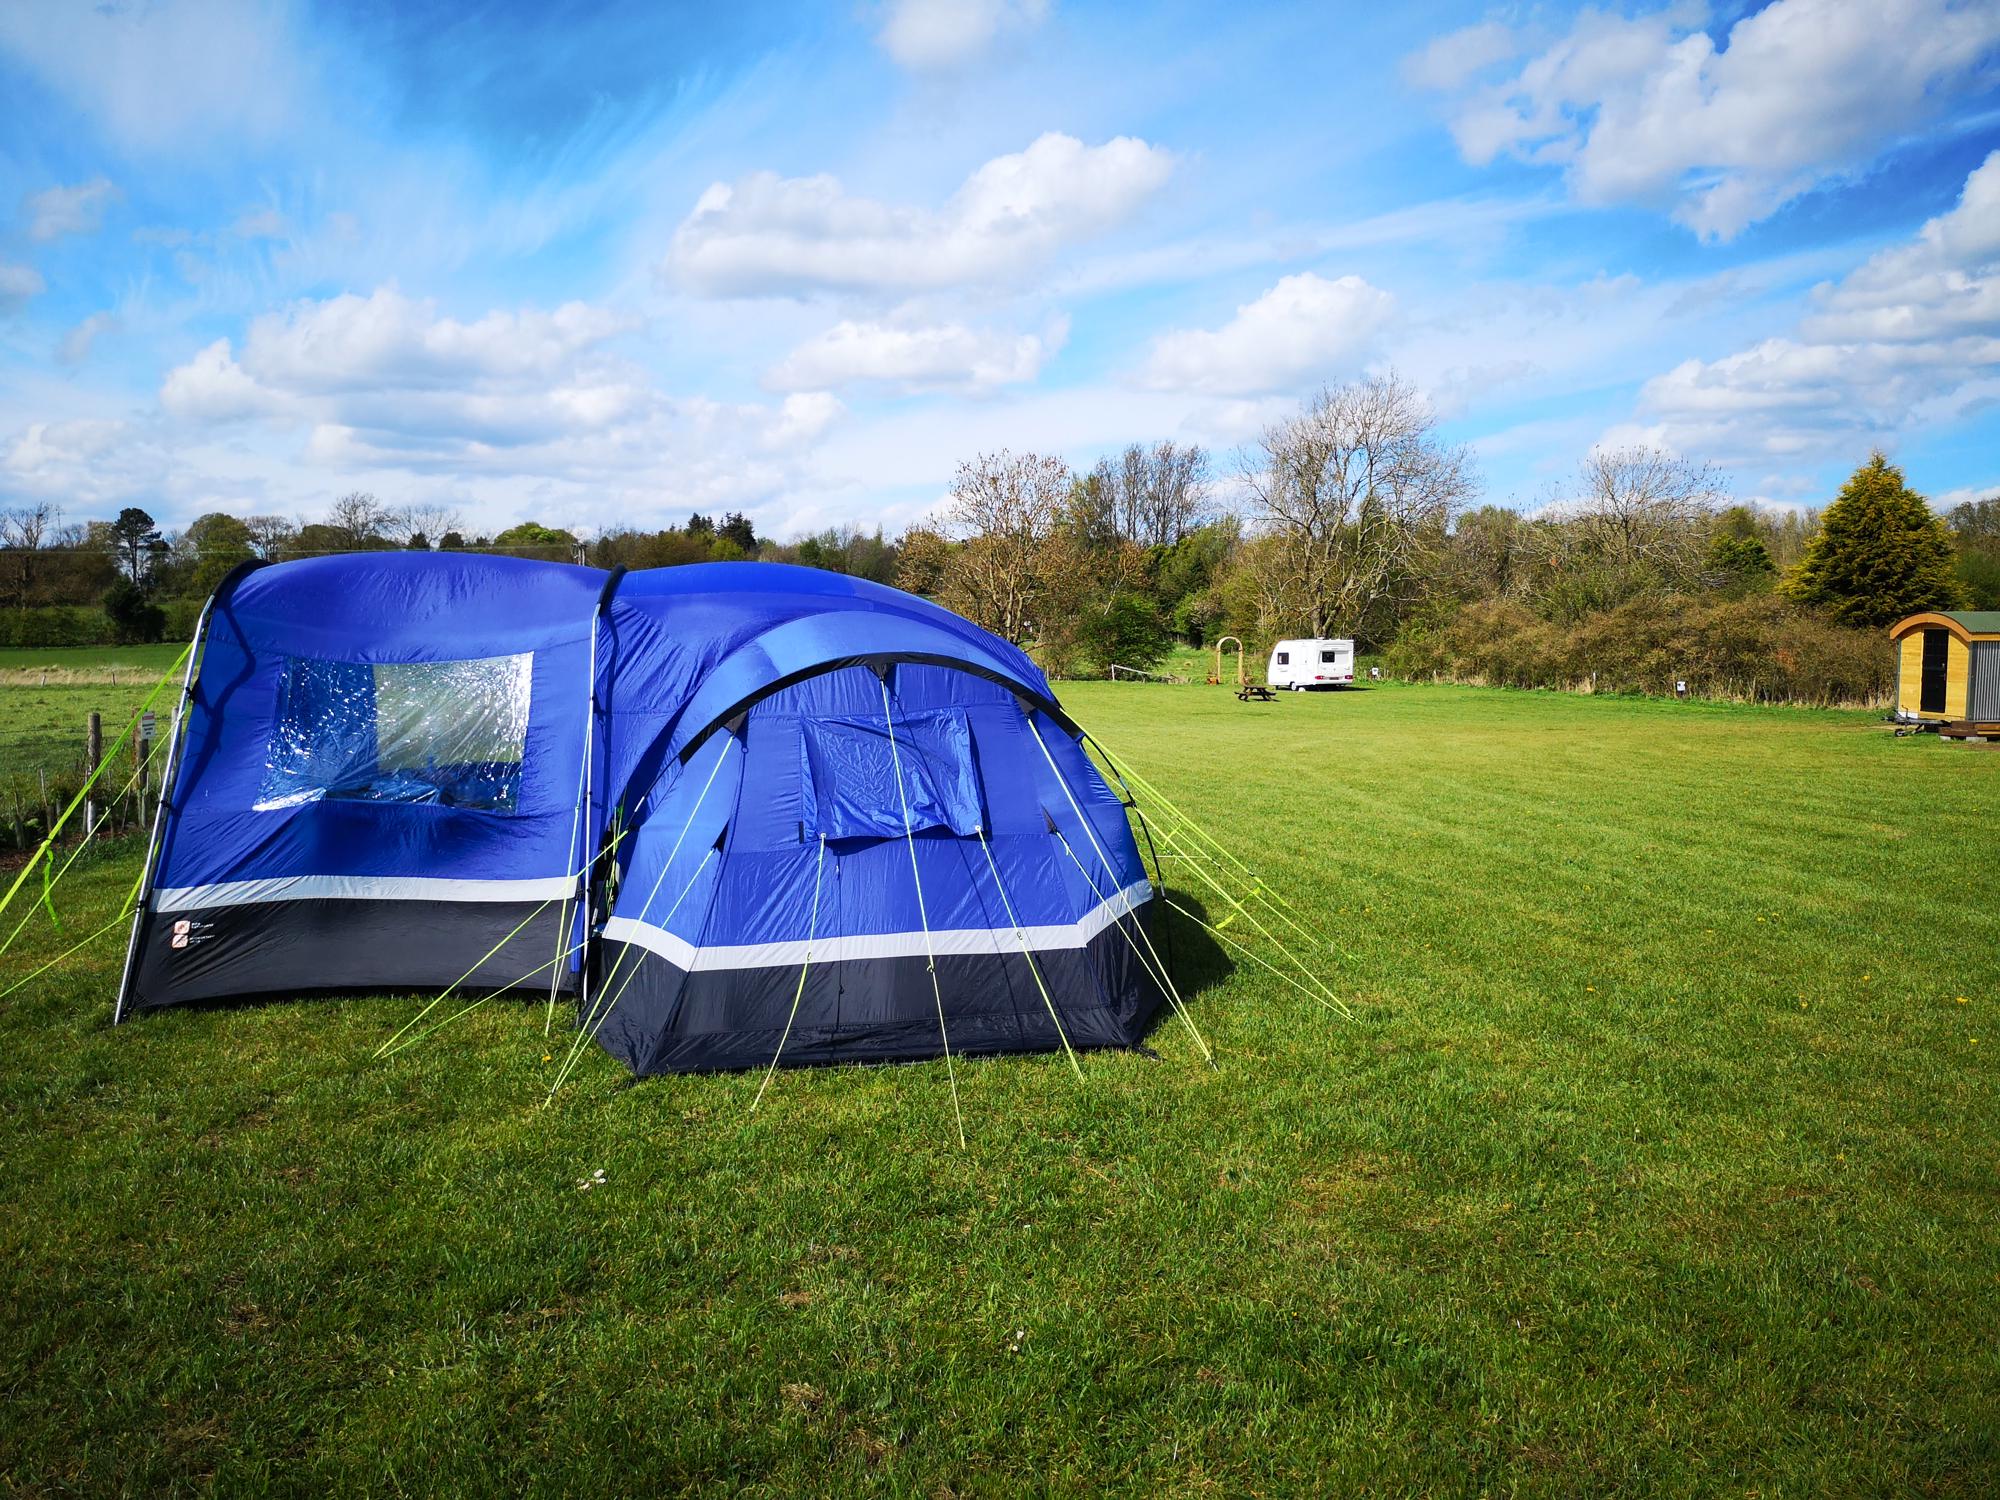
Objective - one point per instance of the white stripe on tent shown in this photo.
(359, 888)
(683, 955)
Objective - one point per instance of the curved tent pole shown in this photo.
(168, 768)
(876, 662)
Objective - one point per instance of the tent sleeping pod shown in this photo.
(378, 782)
(772, 905)
(838, 822)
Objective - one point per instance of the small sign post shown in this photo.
(142, 753)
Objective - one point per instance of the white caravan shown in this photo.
(1299, 665)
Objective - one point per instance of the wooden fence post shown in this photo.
(142, 749)
(93, 739)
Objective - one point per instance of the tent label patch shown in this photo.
(191, 934)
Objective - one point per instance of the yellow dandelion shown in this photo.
(1962, 1000)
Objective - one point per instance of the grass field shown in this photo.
(1659, 1158)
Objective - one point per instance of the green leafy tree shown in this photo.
(1976, 525)
(1126, 630)
(1738, 565)
(134, 617)
(136, 538)
(1881, 553)
(538, 540)
(214, 544)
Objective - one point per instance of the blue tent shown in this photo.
(379, 784)
(750, 814)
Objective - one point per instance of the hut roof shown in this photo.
(1963, 623)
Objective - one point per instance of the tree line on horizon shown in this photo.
(1350, 517)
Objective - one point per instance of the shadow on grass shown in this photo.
(1194, 959)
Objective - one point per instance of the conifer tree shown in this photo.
(1881, 553)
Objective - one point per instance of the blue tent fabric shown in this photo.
(271, 877)
(829, 809)
(869, 777)
(712, 952)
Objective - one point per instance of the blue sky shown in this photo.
(605, 265)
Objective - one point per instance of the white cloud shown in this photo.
(1911, 335)
(384, 392)
(48, 444)
(58, 211)
(944, 33)
(79, 462)
(156, 77)
(76, 344)
(1304, 329)
(915, 356)
(18, 284)
(350, 342)
(1457, 55)
(804, 417)
(1649, 110)
(212, 387)
(767, 234)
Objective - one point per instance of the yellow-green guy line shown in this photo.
(812, 932)
(77, 801)
(1157, 974)
(1271, 898)
(1033, 967)
(896, 759)
(384, 1049)
(1250, 952)
(468, 1009)
(1251, 917)
(47, 884)
(122, 915)
(1090, 833)
(647, 905)
(586, 1037)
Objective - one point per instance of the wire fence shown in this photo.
(41, 772)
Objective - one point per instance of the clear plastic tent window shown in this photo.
(444, 733)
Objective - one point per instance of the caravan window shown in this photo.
(1284, 658)
(449, 733)
(1329, 656)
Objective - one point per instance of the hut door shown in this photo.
(1930, 700)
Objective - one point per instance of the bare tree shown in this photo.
(270, 535)
(1635, 521)
(359, 520)
(24, 532)
(1155, 496)
(1645, 506)
(1005, 509)
(1360, 490)
(423, 525)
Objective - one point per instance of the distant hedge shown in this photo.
(55, 625)
(1761, 649)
